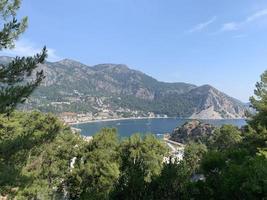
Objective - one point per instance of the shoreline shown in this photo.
(117, 119)
(140, 118)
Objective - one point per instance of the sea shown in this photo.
(156, 126)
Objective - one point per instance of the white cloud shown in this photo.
(257, 15)
(233, 26)
(26, 48)
(203, 25)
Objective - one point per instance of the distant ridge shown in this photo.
(116, 90)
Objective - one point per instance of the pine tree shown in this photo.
(259, 103)
(17, 81)
(259, 120)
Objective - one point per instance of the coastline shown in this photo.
(140, 118)
(117, 119)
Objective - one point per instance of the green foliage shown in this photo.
(172, 183)
(35, 150)
(235, 166)
(141, 159)
(173, 104)
(40, 158)
(193, 154)
(233, 174)
(146, 153)
(259, 102)
(225, 137)
(11, 28)
(97, 169)
(14, 87)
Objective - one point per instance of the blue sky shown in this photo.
(222, 43)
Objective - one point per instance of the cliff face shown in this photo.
(192, 130)
(213, 104)
(117, 87)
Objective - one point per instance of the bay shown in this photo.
(144, 126)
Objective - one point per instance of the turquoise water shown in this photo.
(156, 126)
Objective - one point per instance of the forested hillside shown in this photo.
(72, 86)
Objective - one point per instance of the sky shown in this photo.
(221, 43)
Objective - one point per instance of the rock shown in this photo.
(193, 130)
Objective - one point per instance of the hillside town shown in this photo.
(105, 115)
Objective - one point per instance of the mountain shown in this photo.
(211, 103)
(115, 90)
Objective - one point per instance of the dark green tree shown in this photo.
(35, 154)
(225, 137)
(17, 81)
(193, 154)
(259, 120)
(97, 168)
(141, 160)
(172, 183)
(232, 174)
(259, 103)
